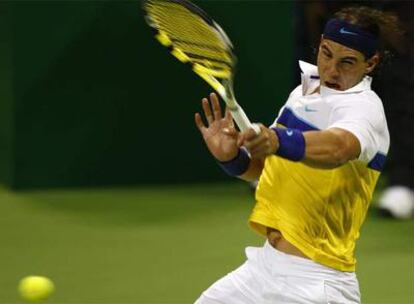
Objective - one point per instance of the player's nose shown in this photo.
(332, 72)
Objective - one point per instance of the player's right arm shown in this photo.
(222, 138)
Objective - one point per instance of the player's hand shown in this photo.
(259, 145)
(220, 134)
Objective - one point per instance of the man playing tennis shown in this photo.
(317, 167)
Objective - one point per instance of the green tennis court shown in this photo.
(158, 245)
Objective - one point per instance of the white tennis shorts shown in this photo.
(272, 277)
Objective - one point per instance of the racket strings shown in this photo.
(191, 34)
(199, 52)
(190, 29)
(177, 19)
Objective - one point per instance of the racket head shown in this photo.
(193, 38)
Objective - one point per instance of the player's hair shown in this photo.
(385, 26)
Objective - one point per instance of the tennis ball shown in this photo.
(36, 288)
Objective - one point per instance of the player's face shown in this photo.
(340, 67)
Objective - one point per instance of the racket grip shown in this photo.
(242, 120)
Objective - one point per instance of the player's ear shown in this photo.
(372, 63)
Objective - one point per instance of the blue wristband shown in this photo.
(291, 144)
(238, 165)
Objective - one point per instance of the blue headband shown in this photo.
(351, 36)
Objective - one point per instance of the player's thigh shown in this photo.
(238, 287)
(291, 289)
(342, 292)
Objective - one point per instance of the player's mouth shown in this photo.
(333, 85)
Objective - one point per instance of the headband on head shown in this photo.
(351, 36)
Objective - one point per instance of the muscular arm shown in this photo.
(330, 148)
(323, 149)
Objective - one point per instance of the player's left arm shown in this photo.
(330, 148)
(354, 132)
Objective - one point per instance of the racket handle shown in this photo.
(242, 120)
(236, 111)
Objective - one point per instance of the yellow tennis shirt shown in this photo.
(321, 211)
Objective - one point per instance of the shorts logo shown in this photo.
(289, 132)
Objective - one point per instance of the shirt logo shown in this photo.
(307, 109)
(344, 31)
(289, 132)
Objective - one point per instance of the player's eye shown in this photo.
(347, 62)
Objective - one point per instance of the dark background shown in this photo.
(88, 97)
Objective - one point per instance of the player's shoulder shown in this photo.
(365, 105)
(373, 105)
(372, 98)
(369, 96)
(366, 99)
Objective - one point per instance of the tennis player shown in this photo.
(317, 167)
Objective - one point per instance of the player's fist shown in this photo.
(260, 145)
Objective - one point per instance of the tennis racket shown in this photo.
(194, 38)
